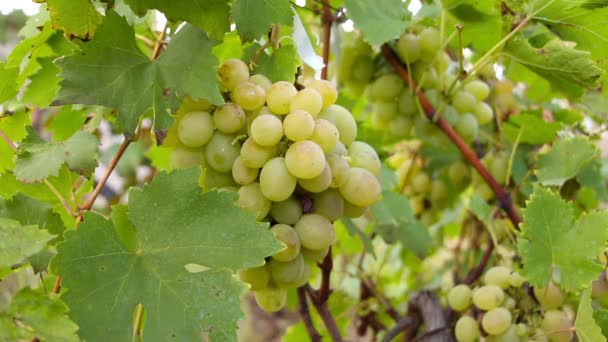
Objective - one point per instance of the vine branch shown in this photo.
(305, 314)
(502, 197)
(324, 313)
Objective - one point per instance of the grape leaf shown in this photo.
(33, 314)
(111, 71)
(565, 160)
(569, 70)
(67, 121)
(77, 18)
(533, 129)
(175, 225)
(481, 21)
(591, 176)
(601, 319)
(30, 211)
(584, 325)
(253, 18)
(380, 20)
(43, 86)
(38, 159)
(18, 242)
(211, 16)
(281, 65)
(395, 221)
(552, 240)
(353, 230)
(8, 76)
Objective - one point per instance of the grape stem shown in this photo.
(305, 314)
(326, 316)
(502, 197)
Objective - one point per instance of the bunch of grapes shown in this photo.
(294, 160)
(505, 309)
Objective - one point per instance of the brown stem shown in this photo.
(305, 314)
(326, 267)
(476, 272)
(325, 314)
(403, 324)
(159, 43)
(502, 197)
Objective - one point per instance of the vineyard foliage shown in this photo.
(360, 170)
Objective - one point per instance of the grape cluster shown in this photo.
(294, 158)
(504, 308)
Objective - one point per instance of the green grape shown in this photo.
(550, 297)
(361, 187)
(557, 326)
(232, 73)
(325, 134)
(387, 87)
(326, 89)
(229, 118)
(421, 183)
(522, 330)
(288, 236)
(466, 329)
(508, 336)
(287, 212)
(364, 156)
(211, 179)
(242, 174)
(408, 104)
(467, 127)
(460, 297)
(255, 156)
(308, 100)
(252, 199)
(458, 172)
(509, 303)
(442, 63)
(450, 115)
(220, 152)
(301, 280)
(319, 183)
(540, 336)
(463, 101)
(516, 280)
(348, 56)
(426, 77)
(401, 126)
(339, 150)
(429, 41)
(276, 182)
(488, 297)
(279, 97)
(262, 81)
(298, 125)
(499, 166)
(305, 159)
(249, 96)
(483, 112)
(315, 231)
(363, 69)
(184, 157)
(329, 204)
(478, 89)
(314, 255)
(195, 129)
(257, 277)
(439, 190)
(343, 120)
(286, 272)
(271, 299)
(385, 110)
(339, 169)
(499, 276)
(408, 48)
(496, 321)
(353, 211)
(267, 130)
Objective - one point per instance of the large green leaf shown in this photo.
(253, 18)
(175, 225)
(8, 77)
(565, 160)
(111, 71)
(212, 16)
(569, 70)
(481, 21)
(38, 159)
(18, 242)
(585, 326)
(281, 65)
(553, 241)
(33, 314)
(531, 129)
(380, 20)
(30, 211)
(77, 18)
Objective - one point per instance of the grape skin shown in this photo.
(308, 100)
(286, 272)
(298, 125)
(325, 134)
(344, 122)
(248, 96)
(466, 329)
(488, 297)
(276, 183)
(314, 255)
(496, 321)
(220, 152)
(257, 277)
(242, 174)
(252, 199)
(550, 297)
(255, 156)
(305, 159)
(364, 156)
(329, 204)
(287, 212)
(557, 326)
(408, 47)
(460, 297)
(361, 187)
(262, 81)
(195, 129)
(288, 236)
(499, 276)
(478, 88)
(229, 118)
(232, 72)
(326, 89)
(339, 169)
(266, 130)
(315, 231)
(319, 183)
(279, 97)
(271, 299)
(184, 157)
